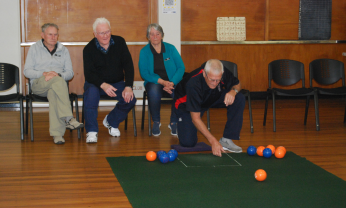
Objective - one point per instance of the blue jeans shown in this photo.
(91, 102)
(154, 92)
(187, 132)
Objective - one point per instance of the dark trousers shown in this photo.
(187, 132)
(91, 102)
(155, 92)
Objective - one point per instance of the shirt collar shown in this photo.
(102, 49)
(163, 49)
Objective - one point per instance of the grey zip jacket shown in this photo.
(39, 60)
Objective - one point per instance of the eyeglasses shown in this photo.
(212, 80)
(103, 33)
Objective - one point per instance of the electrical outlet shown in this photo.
(343, 53)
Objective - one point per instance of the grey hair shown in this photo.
(156, 27)
(214, 65)
(45, 26)
(100, 20)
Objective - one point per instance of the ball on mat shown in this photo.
(171, 156)
(280, 153)
(260, 175)
(251, 150)
(267, 153)
(151, 156)
(164, 158)
(260, 150)
(282, 147)
(160, 153)
(175, 152)
(272, 148)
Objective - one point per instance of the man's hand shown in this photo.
(229, 97)
(109, 89)
(215, 145)
(127, 94)
(49, 75)
(217, 149)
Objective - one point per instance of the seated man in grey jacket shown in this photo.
(48, 66)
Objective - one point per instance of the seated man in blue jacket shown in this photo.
(107, 63)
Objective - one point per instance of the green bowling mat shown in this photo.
(204, 180)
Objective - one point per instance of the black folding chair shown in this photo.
(285, 73)
(327, 72)
(9, 76)
(234, 69)
(36, 98)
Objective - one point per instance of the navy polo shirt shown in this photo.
(194, 95)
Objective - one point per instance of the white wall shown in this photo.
(10, 33)
(170, 24)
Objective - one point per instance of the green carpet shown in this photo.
(203, 180)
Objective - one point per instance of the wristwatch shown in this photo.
(236, 91)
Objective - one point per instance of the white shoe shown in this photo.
(91, 137)
(112, 131)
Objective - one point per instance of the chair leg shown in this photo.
(134, 121)
(83, 115)
(21, 119)
(317, 116)
(265, 110)
(274, 112)
(306, 109)
(26, 115)
(143, 109)
(208, 118)
(126, 123)
(345, 115)
(71, 101)
(31, 121)
(77, 114)
(149, 121)
(250, 112)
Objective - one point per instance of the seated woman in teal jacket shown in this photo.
(161, 67)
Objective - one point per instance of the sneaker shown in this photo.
(112, 131)
(74, 124)
(91, 137)
(173, 128)
(156, 129)
(59, 140)
(230, 146)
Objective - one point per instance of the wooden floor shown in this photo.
(76, 174)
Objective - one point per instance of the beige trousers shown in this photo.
(56, 91)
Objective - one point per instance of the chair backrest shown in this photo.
(9, 76)
(232, 67)
(326, 71)
(286, 72)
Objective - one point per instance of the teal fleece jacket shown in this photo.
(173, 63)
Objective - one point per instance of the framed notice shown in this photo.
(169, 6)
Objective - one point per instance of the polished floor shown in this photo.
(76, 174)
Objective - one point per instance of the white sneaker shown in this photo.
(91, 137)
(112, 131)
(228, 145)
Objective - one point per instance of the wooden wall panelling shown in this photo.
(283, 19)
(199, 18)
(338, 20)
(75, 18)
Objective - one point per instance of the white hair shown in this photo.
(214, 65)
(100, 20)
